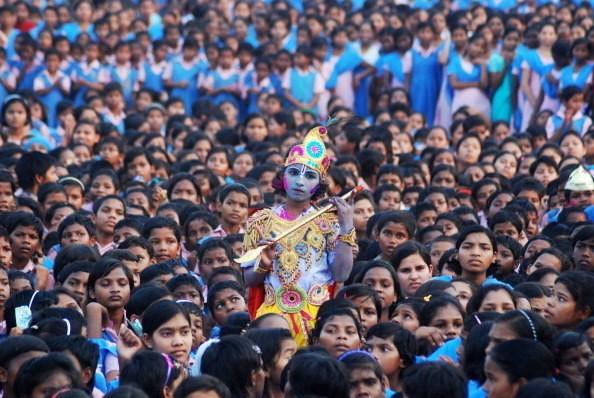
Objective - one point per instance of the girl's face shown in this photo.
(108, 215)
(242, 165)
(545, 260)
(505, 259)
(15, 115)
(288, 347)
(572, 146)
(367, 311)
(449, 321)
(412, 273)
(173, 337)
(444, 179)
(476, 253)
(101, 186)
(227, 302)
(386, 353)
(184, 189)
(446, 158)
(574, 362)
(218, 164)
(4, 282)
(545, 173)
(497, 384)
(497, 301)
(406, 317)
(363, 210)
(141, 167)
(113, 290)
(256, 130)
(202, 148)
(381, 281)
(462, 291)
(54, 382)
(562, 310)
(506, 165)
(339, 335)
(469, 150)
(547, 36)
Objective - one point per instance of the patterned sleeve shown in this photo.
(257, 226)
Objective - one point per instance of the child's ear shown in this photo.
(167, 393)
(86, 375)
(148, 342)
(91, 294)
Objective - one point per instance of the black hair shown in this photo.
(313, 374)
(544, 388)
(446, 381)
(232, 360)
(224, 271)
(151, 372)
(360, 290)
(105, 266)
(270, 343)
(523, 358)
(160, 312)
(528, 325)
(475, 344)
(73, 219)
(37, 370)
(355, 360)
(31, 165)
(143, 296)
(185, 280)
(85, 351)
(182, 177)
(437, 303)
(154, 271)
(214, 243)
(476, 229)
(24, 219)
(477, 298)
(99, 202)
(72, 253)
(14, 346)
(56, 321)
(229, 188)
(325, 315)
(408, 249)
(580, 285)
(203, 383)
(217, 288)
(161, 222)
(403, 340)
(398, 217)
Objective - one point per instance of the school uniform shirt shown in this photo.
(569, 76)
(129, 77)
(116, 120)
(8, 75)
(87, 71)
(250, 81)
(154, 74)
(303, 85)
(426, 75)
(501, 99)
(579, 123)
(221, 78)
(50, 100)
(180, 70)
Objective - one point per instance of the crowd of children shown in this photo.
(146, 146)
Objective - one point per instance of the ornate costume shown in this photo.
(300, 280)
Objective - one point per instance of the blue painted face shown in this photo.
(300, 182)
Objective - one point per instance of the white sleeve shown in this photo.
(587, 125)
(167, 72)
(407, 62)
(318, 84)
(38, 84)
(287, 81)
(66, 83)
(550, 127)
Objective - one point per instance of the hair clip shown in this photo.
(531, 323)
(68, 329)
(347, 354)
(477, 319)
(427, 298)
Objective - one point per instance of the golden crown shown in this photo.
(312, 152)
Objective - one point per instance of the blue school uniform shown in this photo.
(302, 85)
(4, 75)
(390, 62)
(128, 82)
(10, 50)
(462, 75)
(347, 62)
(180, 72)
(72, 29)
(153, 80)
(50, 100)
(500, 5)
(220, 81)
(266, 86)
(88, 74)
(425, 83)
(536, 64)
(576, 125)
(570, 78)
(26, 83)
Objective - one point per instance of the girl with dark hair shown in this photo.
(278, 347)
(156, 374)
